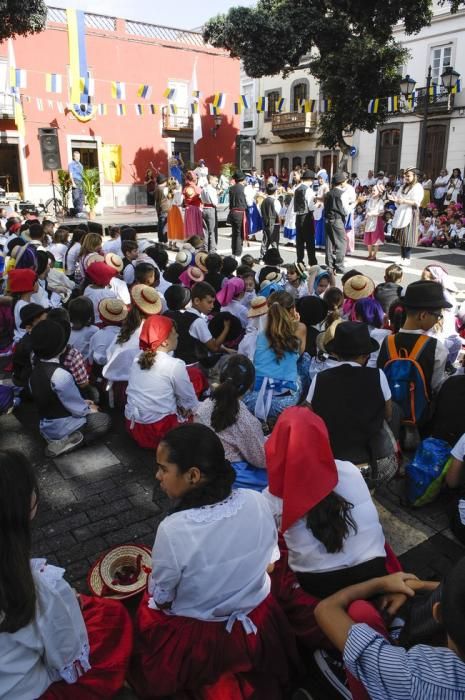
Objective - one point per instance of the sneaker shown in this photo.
(66, 444)
(81, 215)
(332, 668)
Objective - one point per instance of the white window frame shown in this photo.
(437, 71)
(249, 85)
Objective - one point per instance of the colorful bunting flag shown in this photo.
(237, 107)
(196, 94)
(118, 90)
(457, 87)
(219, 100)
(393, 103)
(144, 91)
(433, 90)
(53, 82)
(18, 78)
(102, 110)
(262, 104)
(153, 109)
(120, 110)
(194, 107)
(411, 100)
(40, 104)
(280, 104)
(325, 106)
(60, 107)
(50, 104)
(139, 110)
(373, 106)
(244, 100)
(87, 86)
(213, 110)
(169, 93)
(173, 108)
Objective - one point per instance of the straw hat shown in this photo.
(121, 573)
(92, 258)
(146, 299)
(327, 336)
(114, 261)
(195, 275)
(271, 278)
(184, 257)
(200, 260)
(258, 307)
(112, 310)
(358, 287)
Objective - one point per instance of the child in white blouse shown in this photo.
(81, 315)
(47, 631)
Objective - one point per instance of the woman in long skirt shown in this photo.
(193, 221)
(175, 221)
(407, 216)
(289, 220)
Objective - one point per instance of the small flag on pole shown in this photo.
(118, 90)
(144, 91)
(194, 107)
(153, 109)
(18, 78)
(219, 100)
(373, 106)
(53, 82)
(213, 110)
(457, 87)
(244, 100)
(120, 110)
(139, 110)
(196, 94)
(60, 107)
(237, 108)
(262, 104)
(169, 93)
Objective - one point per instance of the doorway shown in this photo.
(389, 150)
(329, 163)
(10, 173)
(88, 151)
(183, 148)
(436, 137)
(268, 164)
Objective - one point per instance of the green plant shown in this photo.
(64, 186)
(91, 186)
(228, 169)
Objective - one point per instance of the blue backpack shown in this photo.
(407, 380)
(426, 472)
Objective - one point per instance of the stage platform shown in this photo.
(143, 219)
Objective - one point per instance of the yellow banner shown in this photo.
(112, 161)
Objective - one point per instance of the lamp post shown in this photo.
(449, 79)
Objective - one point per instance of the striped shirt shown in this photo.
(393, 673)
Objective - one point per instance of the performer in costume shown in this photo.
(175, 221)
(193, 222)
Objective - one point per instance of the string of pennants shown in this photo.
(396, 102)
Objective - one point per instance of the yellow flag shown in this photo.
(112, 161)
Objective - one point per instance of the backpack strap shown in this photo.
(418, 347)
(391, 347)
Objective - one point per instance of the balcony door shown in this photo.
(435, 153)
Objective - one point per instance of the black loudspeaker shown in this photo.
(50, 149)
(246, 154)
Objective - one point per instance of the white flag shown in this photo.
(196, 120)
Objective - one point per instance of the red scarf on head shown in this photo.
(155, 330)
(300, 463)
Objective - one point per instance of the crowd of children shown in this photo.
(274, 403)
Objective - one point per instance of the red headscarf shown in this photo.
(300, 464)
(155, 330)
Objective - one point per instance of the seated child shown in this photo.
(388, 291)
(21, 286)
(65, 418)
(256, 323)
(203, 298)
(30, 315)
(100, 275)
(297, 280)
(112, 313)
(130, 250)
(230, 296)
(81, 314)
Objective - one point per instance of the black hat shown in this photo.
(29, 313)
(425, 294)
(48, 339)
(161, 178)
(239, 176)
(339, 178)
(177, 297)
(272, 257)
(308, 175)
(352, 338)
(312, 310)
(216, 326)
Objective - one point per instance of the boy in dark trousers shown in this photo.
(269, 210)
(335, 216)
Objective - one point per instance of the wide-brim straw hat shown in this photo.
(184, 257)
(92, 258)
(359, 287)
(324, 338)
(112, 310)
(104, 578)
(195, 274)
(200, 259)
(146, 299)
(114, 261)
(258, 307)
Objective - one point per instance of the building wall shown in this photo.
(117, 55)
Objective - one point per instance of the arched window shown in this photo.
(299, 91)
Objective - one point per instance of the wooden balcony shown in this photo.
(437, 104)
(179, 124)
(289, 125)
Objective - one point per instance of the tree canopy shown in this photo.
(351, 49)
(21, 17)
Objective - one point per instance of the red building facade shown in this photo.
(134, 54)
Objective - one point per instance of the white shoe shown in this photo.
(66, 444)
(404, 262)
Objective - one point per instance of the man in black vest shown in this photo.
(335, 216)
(304, 206)
(353, 399)
(270, 218)
(237, 213)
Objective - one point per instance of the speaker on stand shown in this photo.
(246, 154)
(50, 152)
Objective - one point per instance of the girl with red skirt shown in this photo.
(193, 221)
(54, 645)
(208, 626)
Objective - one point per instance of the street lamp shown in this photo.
(407, 86)
(218, 122)
(450, 78)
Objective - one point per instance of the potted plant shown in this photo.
(91, 188)
(64, 188)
